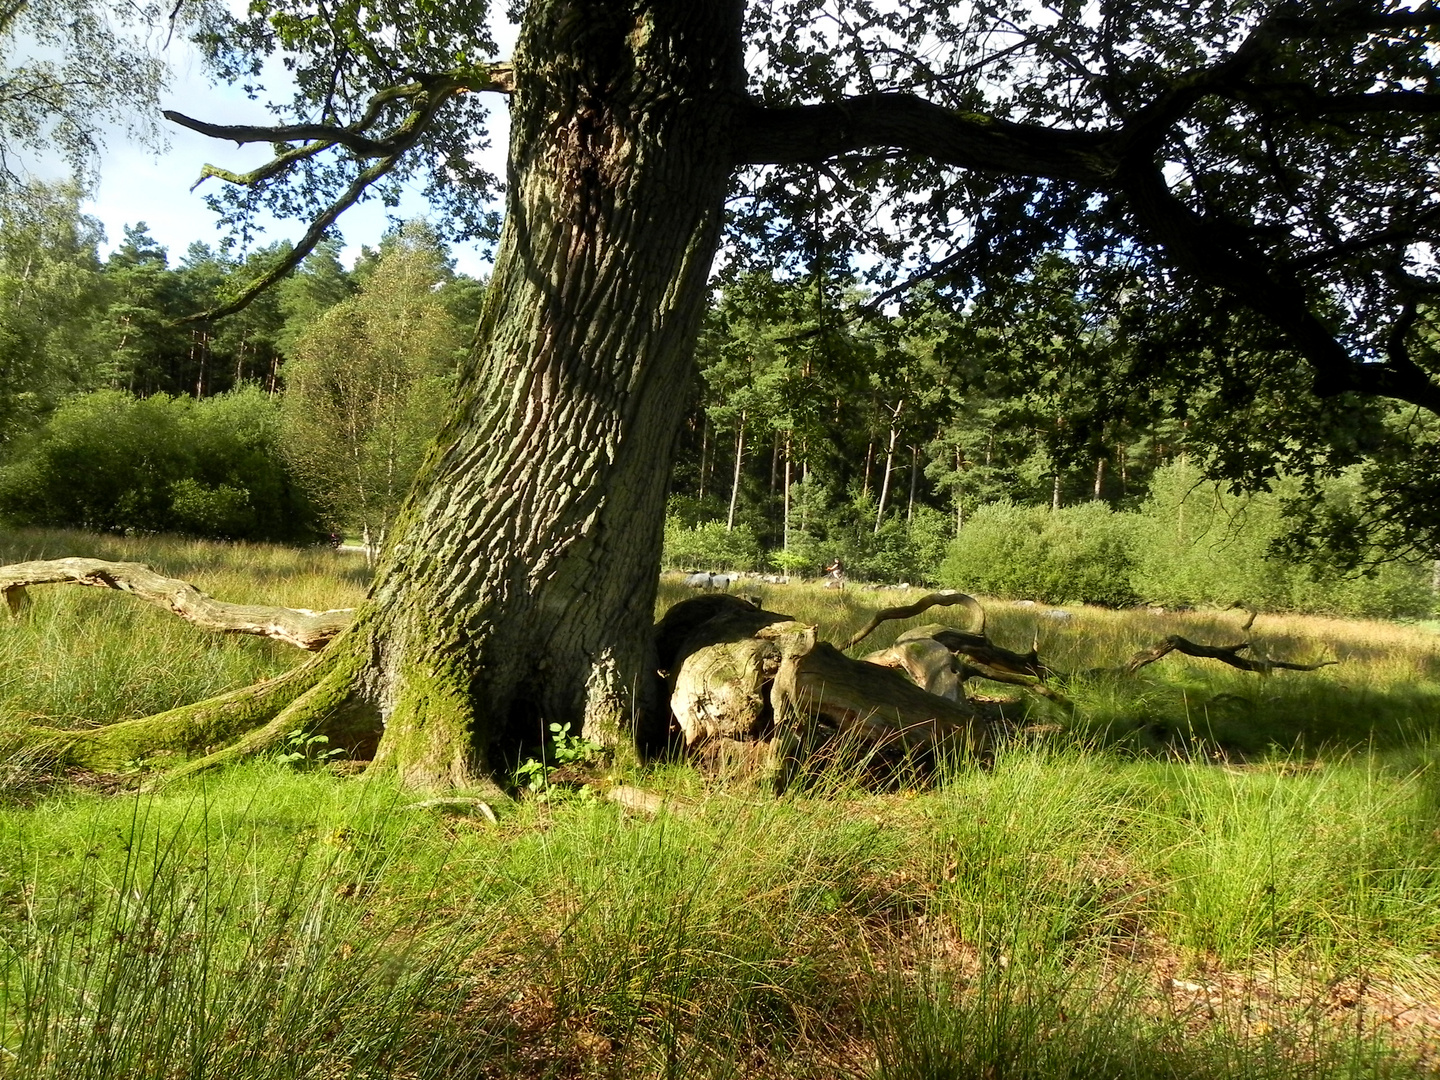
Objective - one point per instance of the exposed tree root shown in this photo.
(318, 710)
(183, 732)
(311, 630)
(311, 698)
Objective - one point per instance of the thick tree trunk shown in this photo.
(519, 587)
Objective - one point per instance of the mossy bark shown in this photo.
(190, 731)
(520, 589)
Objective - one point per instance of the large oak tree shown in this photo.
(1273, 160)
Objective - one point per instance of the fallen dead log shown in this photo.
(310, 630)
(1226, 654)
(756, 689)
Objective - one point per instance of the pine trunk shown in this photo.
(735, 477)
(882, 505)
(519, 590)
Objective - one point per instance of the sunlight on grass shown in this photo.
(1201, 872)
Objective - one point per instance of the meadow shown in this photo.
(1196, 872)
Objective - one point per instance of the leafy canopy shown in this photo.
(70, 68)
(1245, 188)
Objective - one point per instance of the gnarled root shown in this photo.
(226, 728)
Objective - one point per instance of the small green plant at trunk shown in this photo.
(565, 749)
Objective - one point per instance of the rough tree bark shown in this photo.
(521, 586)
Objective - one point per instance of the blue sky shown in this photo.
(137, 184)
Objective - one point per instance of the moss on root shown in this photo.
(190, 729)
(315, 697)
(429, 734)
(320, 709)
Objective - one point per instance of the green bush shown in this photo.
(709, 546)
(900, 552)
(1079, 553)
(1198, 544)
(108, 461)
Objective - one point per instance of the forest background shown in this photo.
(918, 442)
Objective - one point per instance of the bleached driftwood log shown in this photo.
(757, 689)
(310, 630)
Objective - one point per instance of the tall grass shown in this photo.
(83, 656)
(1059, 915)
(1204, 873)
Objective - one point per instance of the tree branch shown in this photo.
(1226, 654)
(945, 598)
(1216, 255)
(304, 247)
(311, 630)
(807, 133)
(429, 90)
(426, 94)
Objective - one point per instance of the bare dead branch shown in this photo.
(944, 598)
(982, 653)
(1245, 607)
(1226, 654)
(310, 630)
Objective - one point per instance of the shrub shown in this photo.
(900, 552)
(1201, 545)
(709, 546)
(108, 461)
(1079, 553)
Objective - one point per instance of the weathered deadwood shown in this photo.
(970, 656)
(944, 598)
(982, 653)
(310, 630)
(879, 706)
(720, 653)
(747, 676)
(639, 801)
(1226, 654)
(927, 663)
(681, 621)
(1253, 612)
(878, 702)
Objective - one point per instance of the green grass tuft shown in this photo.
(1201, 873)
